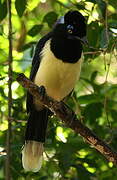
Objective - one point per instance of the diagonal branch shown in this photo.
(69, 118)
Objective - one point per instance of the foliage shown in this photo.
(67, 156)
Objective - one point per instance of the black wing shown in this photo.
(35, 66)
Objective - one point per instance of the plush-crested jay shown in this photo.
(56, 65)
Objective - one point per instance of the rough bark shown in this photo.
(69, 118)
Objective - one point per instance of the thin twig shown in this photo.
(93, 52)
(110, 59)
(17, 120)
(8, 140)
(106, 80)
(106, 24)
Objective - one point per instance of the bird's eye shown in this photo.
(70, 29)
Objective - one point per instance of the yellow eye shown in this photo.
(70, 31)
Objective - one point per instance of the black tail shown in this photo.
(34, 139)
(37, 125)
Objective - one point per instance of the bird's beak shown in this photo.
(84, 40)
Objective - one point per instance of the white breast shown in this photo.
(57, 77)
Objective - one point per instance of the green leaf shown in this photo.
(93, 111)
(35, 30)
(94, 75)
(83, 172)
(80, 6)
(1, 29)
(111, 103)
(95, 86)
(3, 9)
(2, 92)
(112, 20)
(93, 31)
(20, 6)
(103, 39)
(113, 24)
(108, 89)
(44, 178)
(112, 16)
(93, 1)
(113, 3)
(1, 78)
(28, 45)
(87, 99)
(114, 114)
(102, 6)
(50, 18)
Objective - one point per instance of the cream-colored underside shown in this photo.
(58, 77)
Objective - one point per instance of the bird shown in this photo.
(56, 65)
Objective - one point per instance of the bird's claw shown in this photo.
(42, 92)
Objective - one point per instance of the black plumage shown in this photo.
(36, 129)
(56, 65)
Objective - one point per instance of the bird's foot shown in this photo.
(42, 91)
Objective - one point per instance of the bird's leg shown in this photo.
(42, 91)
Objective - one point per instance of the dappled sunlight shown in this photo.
(82, 153)
(90, 169)
(4, 126)
(61, 135)
(66, 154)
(110, 164)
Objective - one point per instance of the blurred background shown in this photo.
(67, 156)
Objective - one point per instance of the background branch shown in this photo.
(8, 140)
(69, 118)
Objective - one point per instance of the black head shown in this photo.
(67, 37)
(75, 24)
(71, 26)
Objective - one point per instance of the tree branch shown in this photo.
(69, 118)
(8, 139)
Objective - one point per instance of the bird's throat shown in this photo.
(67, 50)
